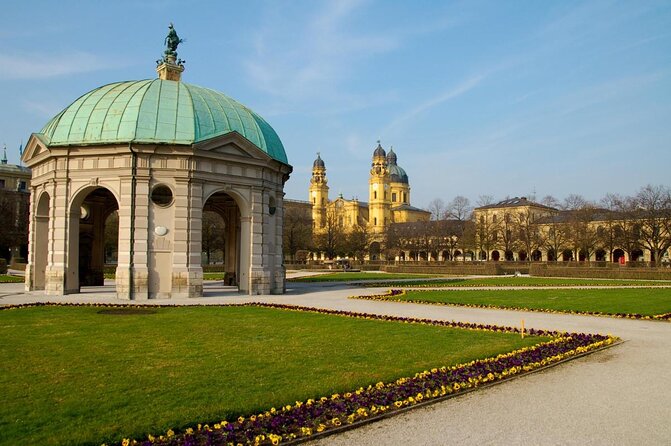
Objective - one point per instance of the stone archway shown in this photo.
(636, 255)
(40, 247)
(618, 254)
(536, 255)
(496, 256)
(374, 251)
(227, 208)
(88, 212)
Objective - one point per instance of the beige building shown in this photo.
(160, 152)
(518, 229)
(14, 200)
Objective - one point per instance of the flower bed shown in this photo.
(394, 295)
(308, 419)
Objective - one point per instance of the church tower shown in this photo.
(379, 203)
(319, 193)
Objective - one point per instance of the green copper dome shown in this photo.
(158, 111)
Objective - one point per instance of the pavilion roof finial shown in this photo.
(169, 67)
(4, 155)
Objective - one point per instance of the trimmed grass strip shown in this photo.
(635, 303)
(354, 276)
(513, 281)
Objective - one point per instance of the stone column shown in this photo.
(280, 273)
(187, 272)
(244, 254)
(55, 273)
(259, 273)
(132, 272)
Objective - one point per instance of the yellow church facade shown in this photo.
(388, 200)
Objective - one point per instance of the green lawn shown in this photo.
(354, 276)
(4, 278)
(645, 301)
(70, 375)
(512, 281)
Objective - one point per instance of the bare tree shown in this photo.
(437, 209)
(357, 242)
(297, 230)
(653, 211)
(550, 201)
(581, 232)
(528, 235)
(556, 237)
(607, 230)
(459, 208)
(330, 239)
(484, 200)
(574, 202)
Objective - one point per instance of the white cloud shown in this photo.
(40, 66)
(310, 60)
(457, 91)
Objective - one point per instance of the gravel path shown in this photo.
(619, 396)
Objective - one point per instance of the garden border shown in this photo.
(312, 419)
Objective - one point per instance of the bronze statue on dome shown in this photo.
(172, 40)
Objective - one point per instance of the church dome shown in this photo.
(379, 151)
(397, 174)
(158, 111)
(319, 162)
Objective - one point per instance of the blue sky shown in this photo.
(501, 98)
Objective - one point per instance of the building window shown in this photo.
(385, 195)
(161, 195)
(375, 221)
(393, 197)
(22, 186)
(2, 184)
(375, 195)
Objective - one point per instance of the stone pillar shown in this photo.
(259, 273)
(244, 254)
(55, 273)
(187, 271)
(132, 272)
(279, 273)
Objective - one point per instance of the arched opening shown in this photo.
(509, 256)
(496, 256)
(522, 255)
(457, 254)
(618, 256)
(567, 255)
(40, 249)
(536, 255)
(222, 222)
(89, 212)
(600, 255)
(636, 255)
(413, 255)
(483, 255)
(374, 251)
(552, 256)
(582, 256)
(445, 256)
